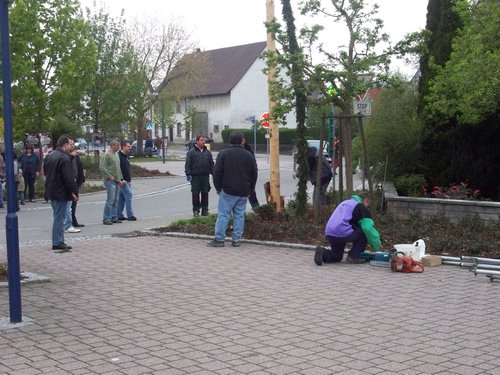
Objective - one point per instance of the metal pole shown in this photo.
(163, 129)
(11, 224)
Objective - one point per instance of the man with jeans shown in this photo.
(113, 180)
(235, 176)
(350, 222)
(125, 195)
(60, 183)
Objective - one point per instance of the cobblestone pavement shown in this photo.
(170, 305)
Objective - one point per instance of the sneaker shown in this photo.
(78, 225)
(132, 218)
(355, 261)
(236, 243)
(107, 222)
(318, 256)
(122, 218)
(204, 213)
(61, 246)
(196, 213)
(72, 230)
(215, 243)
(116, 221)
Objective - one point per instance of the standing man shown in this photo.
(350, 222)
(235, 176)
(113, 179)
(125, 195)
(199, 166)
(30, 164)
(61, 186)
(77, 165)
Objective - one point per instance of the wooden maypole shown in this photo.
(274, 144)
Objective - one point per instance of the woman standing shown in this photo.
(30, 164)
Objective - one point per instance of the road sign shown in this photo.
(363, 107)
(264, 119)
(149, 126)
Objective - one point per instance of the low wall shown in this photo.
(454, 209)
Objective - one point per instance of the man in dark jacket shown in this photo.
(350, 222)
(314, 159)
(235, 176)
(198, 167)
(125, 195)
(61, 186)
(80, 179)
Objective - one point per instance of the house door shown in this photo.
(200, 125)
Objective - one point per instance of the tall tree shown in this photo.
(442, 25)
(52, 63)
(158, 47)
(345, 67)
(462, 104)
(116, 82)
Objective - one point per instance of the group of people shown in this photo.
(234, 179)
(64, 177)
(115, 170)
(26, 169)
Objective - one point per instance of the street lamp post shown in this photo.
(163, 129)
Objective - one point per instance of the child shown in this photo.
(20, 186)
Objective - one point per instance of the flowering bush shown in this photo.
(456, 191)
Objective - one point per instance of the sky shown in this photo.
(225, 23)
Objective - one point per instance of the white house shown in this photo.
(234, 92)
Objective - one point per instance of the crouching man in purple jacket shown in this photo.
(350, 222)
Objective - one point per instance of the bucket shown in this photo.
(416, 250)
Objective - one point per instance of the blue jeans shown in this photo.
(60, 210)
(230, 204)
(68, 221)
(112, 190)
(125, 200)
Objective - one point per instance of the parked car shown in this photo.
(146, 151)
(80, 144)
(190, 144)
(315, 143)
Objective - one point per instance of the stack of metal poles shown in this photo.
(485, 266)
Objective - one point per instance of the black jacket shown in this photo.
(199, 163)
(125, 166)
(325, 172)
(60, 179)
(235, 171)
(77, 169)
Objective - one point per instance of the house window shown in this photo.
(178, 108)
(179, 130)
(216, 128)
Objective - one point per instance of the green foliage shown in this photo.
(52, 62)
(118, 77)
(469, 91)
(412, 185)
(393, 132)
(442, 25)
